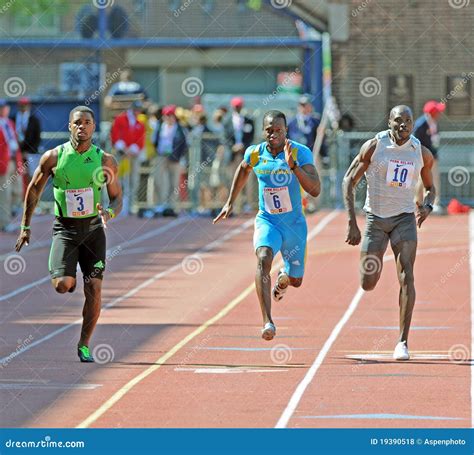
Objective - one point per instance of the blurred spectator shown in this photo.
(170, 143)
(11, 168)
(304, 126)
(346, 123)
(128, 140)
(239, 131)
(126, 86)
(28, 130)
(426, 130)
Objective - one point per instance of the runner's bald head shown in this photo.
(399, 110)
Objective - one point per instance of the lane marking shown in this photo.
(49, 386)
(117, 396)
(395, 327)
(382, 416)
(236, 348)
(301, 388)
(132, 241)
(227, 370)
(471, 261)
(132, 292)
(388, 356)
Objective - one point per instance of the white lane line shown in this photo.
(301, 388)
(471, 261)
(133, 291)
(111, 250)
(119, 394)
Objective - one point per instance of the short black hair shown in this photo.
(274, 114)
(82, 109)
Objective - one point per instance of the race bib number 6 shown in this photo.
(277, 200)
(400, 173)
(79, 202)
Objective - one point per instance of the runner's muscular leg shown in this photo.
(371, 264)
(64, 284)
(263, 281)
(405, 254)
(91, 310)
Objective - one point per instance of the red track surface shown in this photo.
(226, 375)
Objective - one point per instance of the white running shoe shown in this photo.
(268, 331)
(282, 280)
(401, 351)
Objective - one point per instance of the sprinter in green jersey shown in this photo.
(79, 171)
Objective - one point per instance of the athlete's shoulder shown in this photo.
(108, 159)
(300, 147)
(415, 141)
(252, 153)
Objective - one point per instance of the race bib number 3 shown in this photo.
(277, 200)
(400, 173)
(79, 202)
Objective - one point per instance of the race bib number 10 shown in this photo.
(277, 200)
(79, 202)
(400, 173)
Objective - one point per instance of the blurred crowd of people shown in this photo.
(166, 139)
(20, 138)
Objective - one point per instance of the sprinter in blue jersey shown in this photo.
(282, 167)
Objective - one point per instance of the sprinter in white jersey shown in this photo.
(392, 163)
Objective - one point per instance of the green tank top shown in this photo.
(77, 182)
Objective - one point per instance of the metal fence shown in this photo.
(207, 172)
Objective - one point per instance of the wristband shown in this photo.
(25, 228)
(111, 212)
(294, 165)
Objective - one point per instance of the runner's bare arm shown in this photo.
(308, 177)
(240, 179)
(354, 174)
(114, 189)
(33, 193)
(351, 179)
(429, 190)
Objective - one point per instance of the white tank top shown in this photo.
(392, 176)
